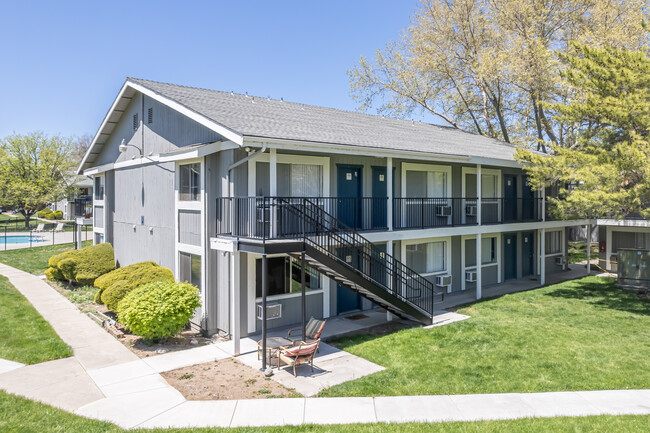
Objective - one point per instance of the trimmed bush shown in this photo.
(97, 298)
(158, 310)
(50, 216)
(116, 284)
(43, 212)
(82, 266)
(58, 215)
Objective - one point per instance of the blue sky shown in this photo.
(63, 62)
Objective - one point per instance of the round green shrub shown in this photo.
(58, 215)
(158, 310)
(114, 294)
(41, 213)
(82, 266)
(97, 298)
(132, 276)
(50, 216)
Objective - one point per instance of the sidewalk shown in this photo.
(106, 381)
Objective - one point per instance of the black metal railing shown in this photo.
(83, 207)
(306, 218)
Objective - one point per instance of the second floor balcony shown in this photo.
(275, 217)
(83, 207)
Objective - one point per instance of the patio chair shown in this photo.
(313, 330)
(302, 353)
(40, 228)
(59, 227)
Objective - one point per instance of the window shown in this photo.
(426, 184)
(300, 180)
(553, 242)
(427, 258)
(99, 238)
(190, 182)
(284, 277)
(489, 186)
(189, 267)
(99, 188)
(488, 250)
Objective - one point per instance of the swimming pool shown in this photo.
(19, 239)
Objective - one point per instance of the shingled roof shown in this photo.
(258, 117)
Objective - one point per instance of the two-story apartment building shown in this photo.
(257, 200)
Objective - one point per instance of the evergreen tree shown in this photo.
(604, 168)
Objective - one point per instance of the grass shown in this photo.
(578, 251)
(26, 416)
(585, 334)
(34, 260)
(26, 337)
(79, 294)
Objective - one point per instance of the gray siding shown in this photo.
(291, 310)
(98, 213)
(189, 227)
(144, 199)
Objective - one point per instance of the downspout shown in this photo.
(248, 158)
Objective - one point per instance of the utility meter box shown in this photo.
(634, 267)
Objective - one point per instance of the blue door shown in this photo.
(510, 197)
(347, 299)
(510, 255)
(380, 197)
(349, 195)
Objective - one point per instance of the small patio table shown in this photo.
(273, 344)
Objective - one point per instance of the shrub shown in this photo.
(116, 284)
(43, 212)
(58, 215)
(50, 216)
(158, 310)
(82, 266)
(97, 298)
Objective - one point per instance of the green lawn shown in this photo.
(34, 260)
(580, 335)
(25, 416)
(26, 337)
(578, 251)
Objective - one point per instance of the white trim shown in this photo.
(562, 243)
(621, 224)
(429, 168)
(310, 146)
(99, 203)
(497, 263)
(446, 239)
(250, 299)
(289, 295)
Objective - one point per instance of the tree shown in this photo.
(34, 171)
(81, 145)
(486, 66)
(605, 170)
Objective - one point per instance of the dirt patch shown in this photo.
(226, 379)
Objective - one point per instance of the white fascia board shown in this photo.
(208, 123)
(99, 169)
(623, 223)
(401, 235)
(101, 127)
(311, 146)
(198, 152)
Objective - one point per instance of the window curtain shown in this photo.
(436, 257)
(489, 186)
(306, 180)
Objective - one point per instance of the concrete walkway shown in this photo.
(106, 381)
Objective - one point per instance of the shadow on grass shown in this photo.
(604, 294)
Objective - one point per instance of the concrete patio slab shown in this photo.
(491, 407)
(341, 410)
(6, 365)
(421, 408)
(194, 414)
(270, 412)
(442, 317)
(184, 358)
(130, 410)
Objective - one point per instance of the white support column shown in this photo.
(543, 203)
(273, 186)
(479, 266)
(235, 301)
(79, 226)
(588, 249)
(389, 188)
(479, 194)
(608, 249)
(542, 257)
(389, 251)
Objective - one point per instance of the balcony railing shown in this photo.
(266, 217)
(83, 207)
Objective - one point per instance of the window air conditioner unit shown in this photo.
(273, 311)
(470, 210)
(559, 261)
(470, 276)
(443, 280)
(443, 211)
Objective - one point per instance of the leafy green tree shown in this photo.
(604, 169)
(485, 66)
(34, 171)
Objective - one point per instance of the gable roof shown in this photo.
(239, 117)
